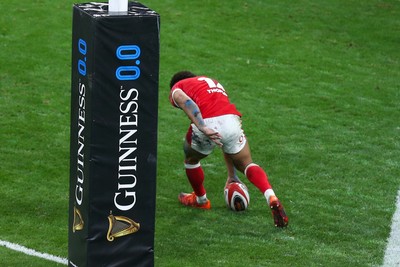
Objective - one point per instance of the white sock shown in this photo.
(202, 199)
(268, 193)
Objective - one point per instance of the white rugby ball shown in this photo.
(237, 196)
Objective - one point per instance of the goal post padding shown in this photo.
(113, 142)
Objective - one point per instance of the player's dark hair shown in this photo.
(181, 75)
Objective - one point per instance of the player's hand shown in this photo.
(213, 135)
(233, 179)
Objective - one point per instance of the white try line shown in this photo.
(392, 254)
(33, 252)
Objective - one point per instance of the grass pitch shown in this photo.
(317, 83)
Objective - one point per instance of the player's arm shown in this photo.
(183, 101)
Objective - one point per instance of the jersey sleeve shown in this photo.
(171, 96)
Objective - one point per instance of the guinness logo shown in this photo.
(120, 226)
(78, 221)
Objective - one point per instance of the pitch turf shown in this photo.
(317, 83)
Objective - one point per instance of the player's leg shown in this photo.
(237, 151)
(259, 178)
(194, 171)
(256, 175)
(195, 175)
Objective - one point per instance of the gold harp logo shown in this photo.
(78, 221)
(120, 226)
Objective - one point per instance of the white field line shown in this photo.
(32, 252)
(392, 254)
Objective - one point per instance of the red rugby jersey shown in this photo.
(208, 94)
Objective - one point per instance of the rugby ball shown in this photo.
(237, 196)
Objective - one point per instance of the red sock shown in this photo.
(258, 177)
(195, 175)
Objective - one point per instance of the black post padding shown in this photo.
(113, 144)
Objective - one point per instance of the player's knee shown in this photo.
(191, 161)
(249, 166)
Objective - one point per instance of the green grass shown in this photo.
(317, 83)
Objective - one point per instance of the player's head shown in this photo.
(181, 75)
